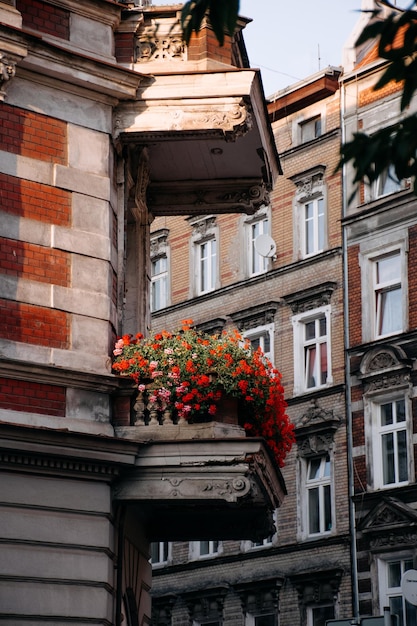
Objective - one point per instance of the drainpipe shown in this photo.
(348, 386)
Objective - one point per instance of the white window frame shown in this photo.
(252, 619)
(215, 548)
(385, 185)
(310, 189)
(314, 122)
(319, 484)
(163, 547)
(159, 282)
(260, 332)
(257, 264)
(304, 486)
(381, 289)
(318, 221)
(385, 592)
(370, 252)
(375, 431)
(310, 609)
(301, 345)
(205, 233)
(206, 266)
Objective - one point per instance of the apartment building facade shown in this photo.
(96, 98)
(277, 276)
(379, 225)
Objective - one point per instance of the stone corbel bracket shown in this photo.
(11, 53)
(213, 486)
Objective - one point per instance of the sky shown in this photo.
(291, 39)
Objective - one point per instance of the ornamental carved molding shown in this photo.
(259, 595)
(384, 368)
(159, 242)
(390, 523)
(149, 47)
(309, 183)
(401, 538)
(198, 198)
(311, 298)
(7, 72)
(260, 315)
(203, 227)
(182, 487)
(315, 430)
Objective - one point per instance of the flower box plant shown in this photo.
(189, 371)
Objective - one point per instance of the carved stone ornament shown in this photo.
(159, 242)
(7, 72)
(309, 183)
(315, 430)
(385, 368)
(260, 595)
(311, 298)
(317, 585)
(260, 315)
(151, 48)
(390, 523)
(203, 227)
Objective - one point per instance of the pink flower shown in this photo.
(153, 365)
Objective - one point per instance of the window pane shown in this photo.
(314, 469)
(204, 547)
(400, 410)
(388, 467)
(402, 455)
(321, 614)
(386, 414)
(323, 329)
(265, 620)
(313, 511)
(389, 304)
(327, 509)
(320, 203)
(310, 330)
(389, 269)
(310, 367)
(323, 363)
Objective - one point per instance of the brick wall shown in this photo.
(37, 325)
(44, 17)
(18, 395)
(33, 135)
(35, 201)
(45, 265)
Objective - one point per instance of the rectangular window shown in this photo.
(315, 352)
(266, 619)
(388, 294)
(314, 226)
(318, 615)
(160, 552)
(262, 337)
(208, 548)
(391, 573)
(311, 129)
(312, 368)
(159, 283)
(257, 263)
(392, 442)
(318, 486)
(387, 183)
(207, 264)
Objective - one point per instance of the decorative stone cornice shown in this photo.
(259, 315)
(391, 523)
(309, 183)
(199, 197)
(231, 479)
(317, 585)
(311, 298)
(158, 244)
(385, 367)
(230, 116)
(315, 430)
